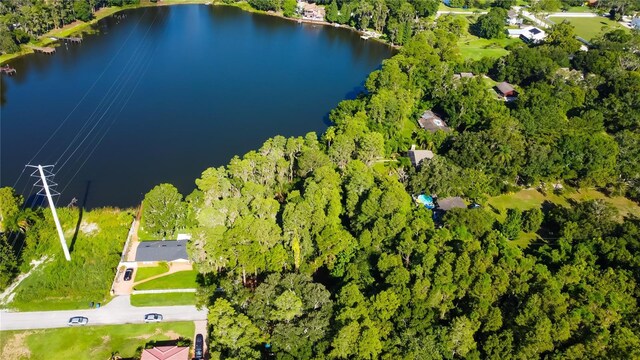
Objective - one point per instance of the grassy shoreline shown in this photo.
(79, 27)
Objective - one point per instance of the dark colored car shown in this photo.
(78, 320)
(199, 347)
(127, 274)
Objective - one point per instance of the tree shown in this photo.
(7, 43)
(289, 7)
(10, 203)
(532, 219)
(163, 210)
(8, 263)
(513, 224)
(491, 25)
(331, 14)
(364, 13)
(425, 8)
(234, 333)
(82, 10)
(563, 36)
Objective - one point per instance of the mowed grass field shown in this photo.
(143, 273)
(531, 198)
(88, 342)
(473, 47)
(528, 199)
(165, 299)
(178, 280)
(590, 27)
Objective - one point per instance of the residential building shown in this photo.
(446, 204)
(432, 122)
(417, 156)
(162, 250)
(513, 18)
(166, 353)
(532, 34)
(506, 90)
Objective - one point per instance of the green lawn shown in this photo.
(525, 239)
(528, 199)
(88, 342)
(179, 280)
(580, 9)
(473, 47)
(166, 299)
(589, 28)
(147, 272)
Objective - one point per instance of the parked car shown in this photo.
(127, 274)
(152, 317)
(78, 320)
(199, 347)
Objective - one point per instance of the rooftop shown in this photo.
(449, 203)
(162, 250)
(416, 156)
(166, 353)
(432, 122)
(505, 88)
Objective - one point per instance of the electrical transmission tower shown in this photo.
(44, 173)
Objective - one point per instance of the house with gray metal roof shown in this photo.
(162, 250)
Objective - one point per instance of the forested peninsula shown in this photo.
(316, 246)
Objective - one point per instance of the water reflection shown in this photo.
(170, 91)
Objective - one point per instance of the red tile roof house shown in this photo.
(506, 91)
(166, 353)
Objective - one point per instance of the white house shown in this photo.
(532, 34)
(513, 19)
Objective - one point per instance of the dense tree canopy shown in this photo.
(315, 246)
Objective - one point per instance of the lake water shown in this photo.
(160, 94)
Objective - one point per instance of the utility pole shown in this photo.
(43, 173)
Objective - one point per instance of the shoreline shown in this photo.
(78, 27)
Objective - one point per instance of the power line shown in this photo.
(89, 90)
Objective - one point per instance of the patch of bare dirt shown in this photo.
(89, 228)
(171, 334)
(16, 347)
(148, 336)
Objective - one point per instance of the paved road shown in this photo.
(118, 311)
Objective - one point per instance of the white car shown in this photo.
(152, 318)
(78, 320)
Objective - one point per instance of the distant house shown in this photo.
(513, 18)
(463, 75)
(162, 250)
(635, 23)
(506, 90)
(533, 35)
(416, 156)
(449, 203)
(515, 33)
(432, 122)
(311, 11)
(166, 353)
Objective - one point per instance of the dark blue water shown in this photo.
(163, 93)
